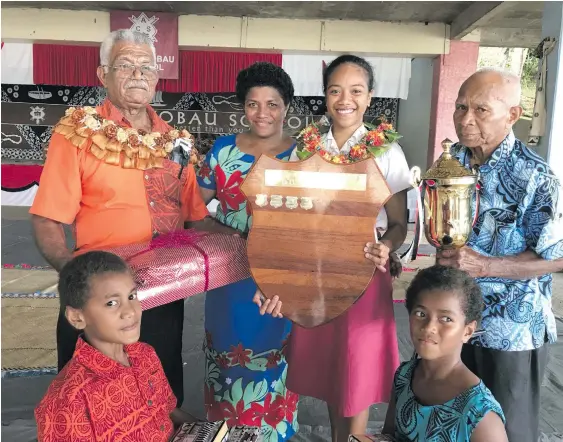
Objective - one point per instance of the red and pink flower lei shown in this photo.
(376, 141)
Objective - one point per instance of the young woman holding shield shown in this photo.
(349, 362)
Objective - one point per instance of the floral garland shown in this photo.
(142, 150)
(375, 142)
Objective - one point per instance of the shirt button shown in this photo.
(152, 203)
(150, 403)
(155, 232)
(150, 384)
(146, 177)
(162, 428)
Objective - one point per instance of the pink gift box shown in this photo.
(181, 264)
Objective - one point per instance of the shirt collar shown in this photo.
(109, 111)
(356, 137)
(97, 362)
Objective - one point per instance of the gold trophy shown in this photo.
(446, 192)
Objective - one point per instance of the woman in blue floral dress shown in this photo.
(244, 351)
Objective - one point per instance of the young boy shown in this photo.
(114, 388)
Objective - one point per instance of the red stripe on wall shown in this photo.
(207, 71)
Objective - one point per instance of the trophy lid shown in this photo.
(447, 166)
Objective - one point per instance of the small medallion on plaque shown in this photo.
(261, 200)
(306, 203)
(276, 201)
(291, 202)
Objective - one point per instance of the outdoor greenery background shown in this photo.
(519, 61)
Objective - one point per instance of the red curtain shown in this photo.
(65, 65)
(199, 71)
(208, 71)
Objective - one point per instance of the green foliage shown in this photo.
(530, 71)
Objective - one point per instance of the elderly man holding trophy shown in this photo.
(491, 209)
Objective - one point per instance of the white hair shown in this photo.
(509, 79)
(123, 35)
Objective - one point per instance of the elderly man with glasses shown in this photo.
(107, 173)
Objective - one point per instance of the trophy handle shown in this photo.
(477, 204)
(416, 174)
(477, 173)
(412, 251)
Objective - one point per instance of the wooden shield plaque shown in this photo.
(311, 221)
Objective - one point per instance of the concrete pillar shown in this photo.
(551, 145)
(450, 71)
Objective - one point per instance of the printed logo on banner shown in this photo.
(145, 25)
(161, 28)
(37, 114)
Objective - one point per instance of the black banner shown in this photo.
(29, 113)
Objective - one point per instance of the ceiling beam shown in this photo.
(477, 14)
(510, 37)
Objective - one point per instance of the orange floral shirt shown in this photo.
(111, 206)
(94, 398)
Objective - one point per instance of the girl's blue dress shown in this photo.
(245, 366)
(453, 421)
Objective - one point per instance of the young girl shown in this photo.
(435, 397)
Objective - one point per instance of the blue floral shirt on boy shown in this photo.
(518, 211)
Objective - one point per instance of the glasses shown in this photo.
(129, 69)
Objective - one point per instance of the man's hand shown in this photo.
(271, 306)
(50, 240)
(466, 259)
(378, 253)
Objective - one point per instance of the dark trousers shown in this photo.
(514, 378)
(161, 327)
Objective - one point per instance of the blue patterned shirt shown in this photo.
(518, 212)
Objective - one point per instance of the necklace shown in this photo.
(375, 142)
(121, 146)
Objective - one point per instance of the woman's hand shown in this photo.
(378, 253)
(271, 306)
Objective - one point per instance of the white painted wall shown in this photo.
(46, 25)
(414, 113)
